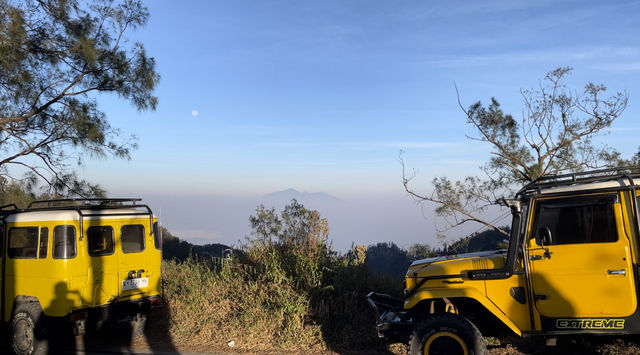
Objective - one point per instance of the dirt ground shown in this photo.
(115, 343)
(591, 345)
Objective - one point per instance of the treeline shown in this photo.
(389, 259)
(174, 248)
(386, 259)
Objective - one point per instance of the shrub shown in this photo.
(287, 290)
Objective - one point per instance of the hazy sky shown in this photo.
(261, 96)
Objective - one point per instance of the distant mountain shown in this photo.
(304, 197)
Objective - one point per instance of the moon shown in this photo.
(194, 113)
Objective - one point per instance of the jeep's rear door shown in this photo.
(135, 258)
(580, 258)
(102, 273)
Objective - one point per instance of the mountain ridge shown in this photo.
(293, 193)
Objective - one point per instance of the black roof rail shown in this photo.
(85, 202)
(12, 205)
(600, 175)
(80, 204)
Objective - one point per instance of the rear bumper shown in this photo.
(113, 313)
(392, 321)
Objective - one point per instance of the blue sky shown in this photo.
(322, 95)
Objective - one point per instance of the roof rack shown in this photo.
(600, 175)
(11, 205)
(80, 205)
(85, 202)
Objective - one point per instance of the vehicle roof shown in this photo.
(621, 182)
(76, 208)
(73, 215)
(612, 179)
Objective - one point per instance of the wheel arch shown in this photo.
(473, 302)
(21, 299)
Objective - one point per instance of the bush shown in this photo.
(287, 290)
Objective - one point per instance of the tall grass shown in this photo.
(286, 290)
(258, 307)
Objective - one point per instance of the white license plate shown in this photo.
(133, 284)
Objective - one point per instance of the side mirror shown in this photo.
(543, 237)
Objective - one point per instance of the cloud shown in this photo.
(365, 145)
(619, 67)
(399, 144)
(475, 8)
(627, 58)
(625, 129)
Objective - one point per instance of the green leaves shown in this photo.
(292, 247)
(555, 135)
(54, 56)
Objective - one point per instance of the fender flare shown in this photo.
(463, 292)
(18, 300)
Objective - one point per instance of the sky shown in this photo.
(321, 96)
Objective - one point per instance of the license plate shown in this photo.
(132, 284)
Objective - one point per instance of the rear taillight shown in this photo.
(156, 301)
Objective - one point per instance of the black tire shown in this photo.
(446, 334)
(28, 330)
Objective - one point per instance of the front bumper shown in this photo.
(392, 321)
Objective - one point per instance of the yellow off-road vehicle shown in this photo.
(76, 263)
(571, 268)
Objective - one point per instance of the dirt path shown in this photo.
(110, 342)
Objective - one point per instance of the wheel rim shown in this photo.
(23, 336)
(445, 343)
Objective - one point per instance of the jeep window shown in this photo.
(44, 243)
(157, 238)
(574, 220)
(23, 242)
(64, 242)
(132, 238)
(100, 239)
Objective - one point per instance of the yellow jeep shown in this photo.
(571, 268)
(78, 263)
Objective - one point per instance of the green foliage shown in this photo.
(357, 255)
(293, 247)
(288, 290)
(174, 248)
(21, 193)
(55, 55)
(15, 193)
(419, 251)
(387, 259)
(221, 300)
(616, 159)
(555, 135)
(486, 240)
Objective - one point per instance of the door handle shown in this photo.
(540, 297)
(617, 272)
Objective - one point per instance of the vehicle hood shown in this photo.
(458, 256)
(457, 264)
